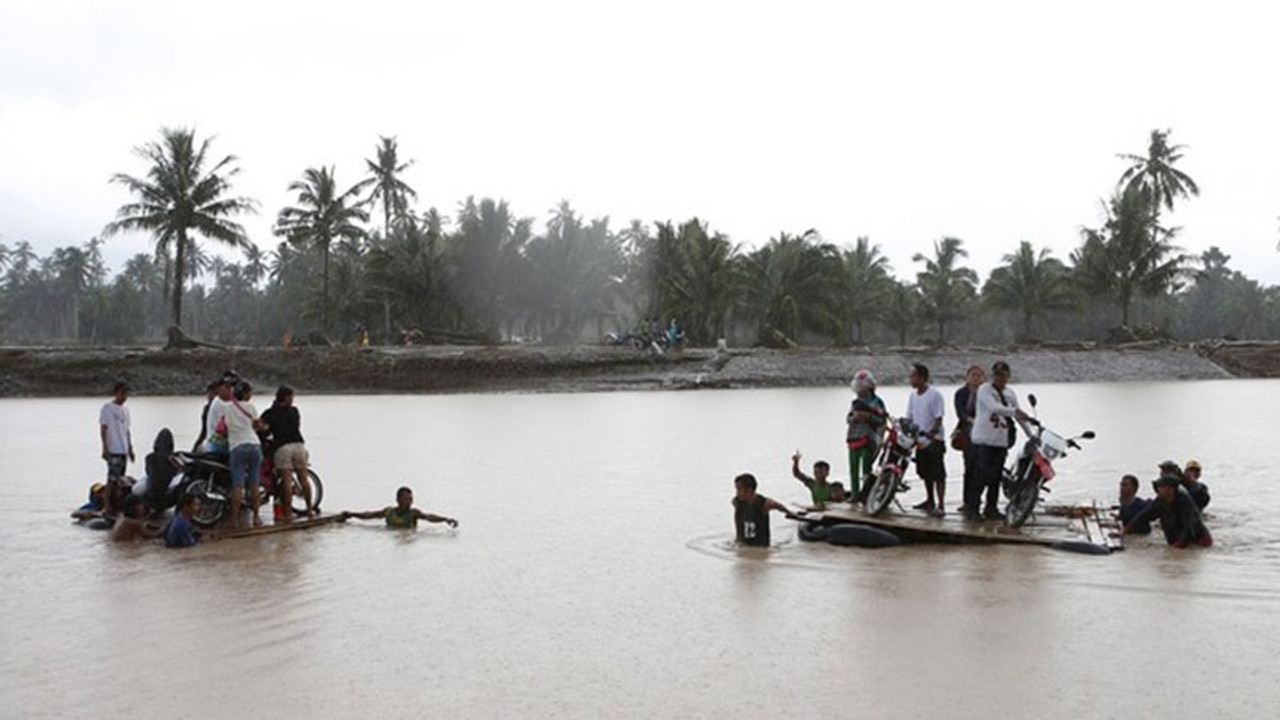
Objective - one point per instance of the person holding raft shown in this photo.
(402, 515)
(751, 512)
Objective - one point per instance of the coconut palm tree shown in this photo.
(791, 285)
(867, 285)
(321, 216)
(1029, 283)
(384, 183)
(1130, 255)
(182, 195)
(1155, 176)
(701, 283)
(946, 288)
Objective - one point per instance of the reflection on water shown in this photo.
(594, 574)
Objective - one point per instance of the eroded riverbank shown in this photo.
(47, 372)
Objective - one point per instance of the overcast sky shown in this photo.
(993, 122)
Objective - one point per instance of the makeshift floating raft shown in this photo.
(225, 531)
(1080, 528)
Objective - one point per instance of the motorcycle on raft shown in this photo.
(895, 456)
(1023, 483)
(211, 480)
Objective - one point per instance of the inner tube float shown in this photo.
(858, 535)
(1080, 546)
(811, 531)
(99, 523)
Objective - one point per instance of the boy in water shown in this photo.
(401, 515)
(820, 491)
(751, 512)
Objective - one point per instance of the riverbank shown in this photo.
(51, 372)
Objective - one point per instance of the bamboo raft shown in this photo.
(224, 531)
(1051, 526)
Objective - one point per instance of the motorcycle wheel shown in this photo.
(212, 508)
(300, 500)
(1023, 502)
(881, 492)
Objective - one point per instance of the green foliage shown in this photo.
(1130, 256)
(947, 289)
(180, 196)
(790, 286)
(1030, 284)
(321, 217)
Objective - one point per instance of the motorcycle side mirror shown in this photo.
(1088, 435)
(1032, 399)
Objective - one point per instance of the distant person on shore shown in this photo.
(289, 451)
(117, 445)
(1131, 506)
(751, 512)
(926, 407)
(865, 422)
(180, 532)
(993, 434)
(1191, 481)
(1179, 517)
(821, 492)
(402, 515)
(966, 406)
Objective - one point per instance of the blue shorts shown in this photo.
(245, 464)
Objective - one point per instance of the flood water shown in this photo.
(593, 574)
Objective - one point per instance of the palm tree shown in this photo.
(791, 285)
(255, 264)
(1030, 283)
(181, 196)
(946, 289)
(385, 185)
(321, 216)
(1155, 176)
(867, 285)
(77, 270)
(1130, 255)
(902, 309)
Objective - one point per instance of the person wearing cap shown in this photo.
(1179, 517)
(926, 408)
(117, 444)
(866, 419)
(1191, 481)
(996, 410)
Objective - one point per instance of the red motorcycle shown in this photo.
(1034, 468)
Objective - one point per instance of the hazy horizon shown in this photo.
(993, 122)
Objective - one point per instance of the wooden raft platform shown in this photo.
(1052, 525)
(225, 531)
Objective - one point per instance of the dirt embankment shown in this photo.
(31, 372)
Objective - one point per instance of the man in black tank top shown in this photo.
(751, 512)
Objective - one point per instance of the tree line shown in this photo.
(364, 256)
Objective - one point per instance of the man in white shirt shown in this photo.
(925, 407)
(993, 434)
(117, 444)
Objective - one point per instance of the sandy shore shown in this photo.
(46, 372)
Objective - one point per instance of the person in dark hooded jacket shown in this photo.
(1177, 512)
